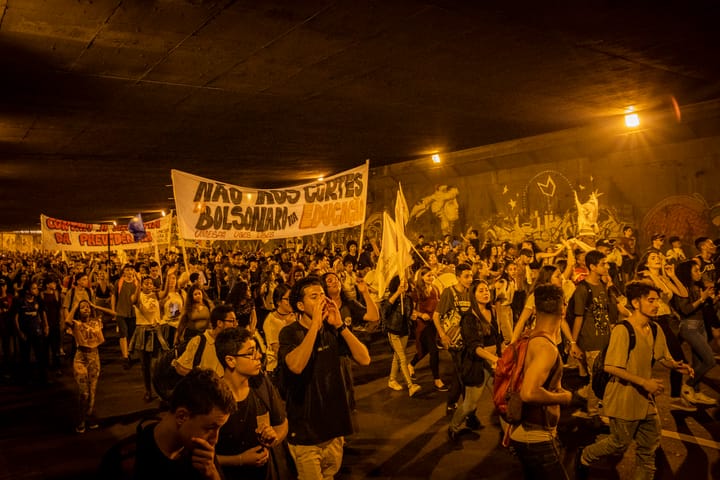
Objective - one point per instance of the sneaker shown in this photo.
(581, 470)
(80, 428)
(681, 404)
(441, 388)
(453, 436)
(473, 422)
(411, 371)
(92, 422)
(688, 394)
(703, 399)
(450, 409)
(413, 389)
(393, 384)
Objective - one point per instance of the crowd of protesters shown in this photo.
(283, 302)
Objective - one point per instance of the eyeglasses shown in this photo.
(232, 321)
(250, 354)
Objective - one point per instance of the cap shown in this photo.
(658, 236)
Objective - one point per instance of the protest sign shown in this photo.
(71, 236)
(213, 210)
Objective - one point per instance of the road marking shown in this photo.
(691, 439)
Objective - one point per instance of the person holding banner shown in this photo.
(397, 309)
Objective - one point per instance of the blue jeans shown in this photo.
(470, 402)
(399, 360)
(540, 460)
(693, 332)
(646, 434)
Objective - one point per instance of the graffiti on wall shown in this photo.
(443, 204)
(686, 216)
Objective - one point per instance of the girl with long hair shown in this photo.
(426, 297)
(482, 339)
(172, 301)
(652, 269)
(692, 328)
(87, 329)
(396, 310)
(196, 317)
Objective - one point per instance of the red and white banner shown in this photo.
(70, 236)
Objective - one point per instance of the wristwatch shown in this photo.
(341, 328)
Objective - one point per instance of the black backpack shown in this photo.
(600, 377)
(165, 377)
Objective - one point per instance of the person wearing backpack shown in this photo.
(454, 303)
(250, 444)
(629, 398)
(221, 317)
(534, 438)
(595, 312)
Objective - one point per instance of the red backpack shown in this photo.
(509, 374)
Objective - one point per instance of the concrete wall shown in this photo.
(664, 177)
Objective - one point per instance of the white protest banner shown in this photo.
(71, 236)
(212, 210)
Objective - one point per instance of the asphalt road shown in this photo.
(398, 438)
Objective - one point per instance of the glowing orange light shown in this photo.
(436, 158)
(632, 120)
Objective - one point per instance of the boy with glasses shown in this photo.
(221, 317)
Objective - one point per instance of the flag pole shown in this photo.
(361, 242)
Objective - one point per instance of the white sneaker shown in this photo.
(688, 394)
(394, 385)
(704, 399)
(682, 404)
(413, 389)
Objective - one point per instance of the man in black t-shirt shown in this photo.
(32, 330)
(182, 445)
(316, 402)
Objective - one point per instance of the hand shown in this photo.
(669, 269)
(361, 286)
(319, 313)
(203, 456)
(653, 386)
(685, 369)
(267, 436)
(445, 340)
(707, 293)
(255, 456)
(575, 351)
(493, 363)
(333, 314)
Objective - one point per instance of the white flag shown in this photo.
(387, 266)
